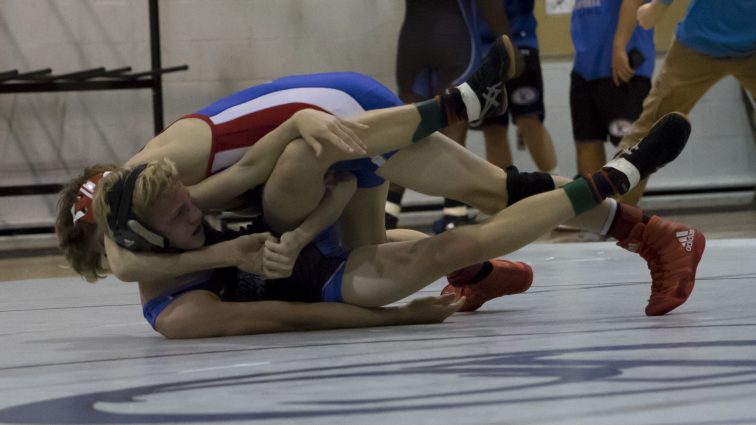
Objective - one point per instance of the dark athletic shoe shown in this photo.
(661, 145)
(488, 82)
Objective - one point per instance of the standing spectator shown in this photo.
(437, 48)
(525, 93)
(714, 39)
(614, 60)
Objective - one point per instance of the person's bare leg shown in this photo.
(296, 180)
(497, 145)
(438, 166)
(381, 274)
(538, 141)
(590, 156)
(398, 127)
(403, 235)
(361, 222)
(294, 188)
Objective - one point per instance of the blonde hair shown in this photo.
(78, 240)
(157, 177)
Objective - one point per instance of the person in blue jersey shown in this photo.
(434, 50)
(611, 75)
(713, 40)
(437, 48)
(526, 106)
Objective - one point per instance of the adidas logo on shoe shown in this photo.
(686, 238)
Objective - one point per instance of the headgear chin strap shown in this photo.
(126, 229)
(82, 207)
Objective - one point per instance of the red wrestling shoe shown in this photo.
(506, 278)
(672, 251)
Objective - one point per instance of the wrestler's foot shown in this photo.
(505, 278)
(485, 94)
(672, 251)
(662, 144)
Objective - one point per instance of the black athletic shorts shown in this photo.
(311, 271)
(525, 92)
(600, 109)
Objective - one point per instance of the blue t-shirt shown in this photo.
(593, 25)
(522, 24)
(719, 28)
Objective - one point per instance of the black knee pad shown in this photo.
(521, 185)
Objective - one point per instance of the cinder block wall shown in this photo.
(229, 45)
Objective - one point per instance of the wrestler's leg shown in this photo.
(361, 222)
(438, 166)
(403, 235)
(381, 274)
(295, 185)
(398, 127)
(377, 275)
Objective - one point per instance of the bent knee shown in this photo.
(297, 153)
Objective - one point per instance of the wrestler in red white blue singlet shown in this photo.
(241, 119)
(238, 122)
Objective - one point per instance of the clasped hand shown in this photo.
(319, 128)
(266, 255)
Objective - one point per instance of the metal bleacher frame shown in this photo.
(43, 80)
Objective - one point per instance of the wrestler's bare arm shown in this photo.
(254, 168)
(280, 256)
(626, 24)
(129, 266)
(245, 252)
(200, 314)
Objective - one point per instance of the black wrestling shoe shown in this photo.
(489, 80)
(662, 144)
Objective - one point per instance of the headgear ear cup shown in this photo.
(126, 229)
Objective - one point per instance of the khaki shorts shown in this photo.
(684, 78)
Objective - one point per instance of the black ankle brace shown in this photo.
(521, 185)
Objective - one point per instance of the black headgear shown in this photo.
(126, 229)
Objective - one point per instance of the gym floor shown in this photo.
(575, 349)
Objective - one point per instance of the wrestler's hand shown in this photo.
(248, 251)
(649, 14)
(432, 309)
(319, 128)
(281, 255)
(621, 70)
